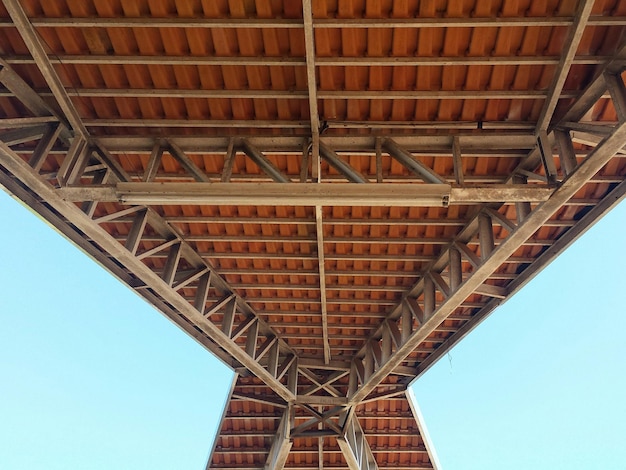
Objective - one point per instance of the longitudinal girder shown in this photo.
(329, 263)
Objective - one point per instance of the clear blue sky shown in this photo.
(92, 377)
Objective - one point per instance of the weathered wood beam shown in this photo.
(319, 230)
(333, 23)
(355, 448)
(26, 133)
(281, 444)
(596, 89)
(303, 94)
(263, 162)
(222, 419)
(405, 157)
(187, 163)
(23, 92)
(35, 46)
(341, 166)
(504, 126)
(486, 144)
(298, 194)
(574, 37)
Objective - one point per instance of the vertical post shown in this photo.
(407, 323)
(368, 362)
(292, 378)
(456, 269)
(458, 161)
(522, 209)
(429, 296)
(545, 150)
(567, 154)
(485, 235)
(615, 84)
(379, 160)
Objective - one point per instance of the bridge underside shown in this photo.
(326, 195)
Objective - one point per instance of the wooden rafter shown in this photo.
(37, 50)
(574, 37)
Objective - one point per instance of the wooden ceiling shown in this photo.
(328, 195)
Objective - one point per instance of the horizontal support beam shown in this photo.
(301, 194)
(290, 61)
(321, 23)
(302, 94)
(486, 143)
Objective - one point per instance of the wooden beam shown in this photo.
(567, 154)
(574, 36)
(263, 163)
(229, 161)
(333, 23)
(222, 420)
(298, 194)
(488, 144)
(187, 163)
(37, 50)
(23, 92)
(616, 87)
(341, 166)
(355, 448)
(122, 93)
(153, 164)
(595, 90)
(417, 167)
(290, 61)
(319, 230)
(44, 146)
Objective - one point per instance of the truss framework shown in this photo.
(80, 183)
